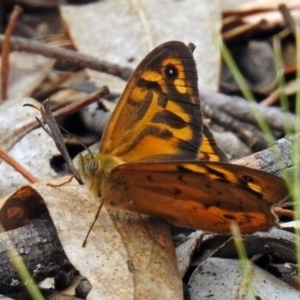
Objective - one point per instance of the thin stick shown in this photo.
(12, 162)
(52, 87)
(78, 59)
(64, 111)
(6, 49)
(39, 3)
(78, 105)
(288, 18)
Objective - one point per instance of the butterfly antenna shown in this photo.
(92, 225)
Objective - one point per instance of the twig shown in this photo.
(290, 22)
(78, 105)
(37, 3)
(53, 86)
(6, 49)
(246, 13)
(78, 59)
(11, 140)
(247, 133)
(241, 109)
(12, 162)
(284, 212)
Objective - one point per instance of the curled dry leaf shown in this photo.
(120, 260)
(185, 251)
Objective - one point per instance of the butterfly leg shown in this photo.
(65, 182)
(101, 200)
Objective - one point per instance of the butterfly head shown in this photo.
(89, 167)
(94, 168)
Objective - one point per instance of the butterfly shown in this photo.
(157, 157)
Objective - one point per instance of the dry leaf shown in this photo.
(185, 251)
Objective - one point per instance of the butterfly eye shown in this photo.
(93, 166)
(171, 72)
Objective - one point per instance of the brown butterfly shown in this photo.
(158, 158)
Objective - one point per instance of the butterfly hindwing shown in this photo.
(206, 195)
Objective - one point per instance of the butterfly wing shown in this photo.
(204, 195)
(158, 116)
(209, 150)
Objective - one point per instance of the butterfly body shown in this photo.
(158, 158)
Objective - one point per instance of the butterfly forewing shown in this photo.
(158, 116)
(204, 195)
